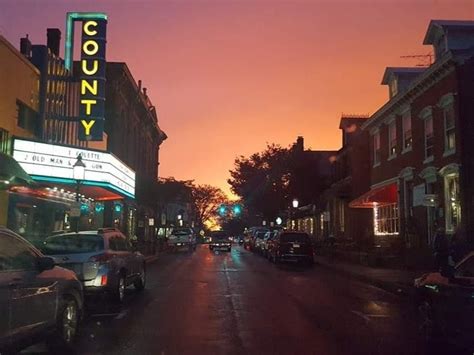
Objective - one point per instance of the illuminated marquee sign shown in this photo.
(92, 104)
(92, 69)
(43, 161)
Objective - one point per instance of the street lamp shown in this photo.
(295, 203)
(79, 171)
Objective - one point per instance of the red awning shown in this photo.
(382, 195)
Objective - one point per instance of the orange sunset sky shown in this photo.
(228, 76)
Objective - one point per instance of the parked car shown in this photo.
(38, 300)
(220, 241)
(252, 234)
(259, 241)
(182, 238)
(103, 260)
(293, 247)
(445, 303)
(267, 241)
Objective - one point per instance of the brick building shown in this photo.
(350, 176)
(134, 136)
(421, 145)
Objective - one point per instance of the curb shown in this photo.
(403, 290)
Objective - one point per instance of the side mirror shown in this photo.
(45, 263)
(447, 272)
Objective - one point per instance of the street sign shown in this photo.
(75, 210)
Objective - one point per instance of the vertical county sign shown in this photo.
(92, 68)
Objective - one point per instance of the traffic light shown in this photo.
(237, 210)
(222, 210)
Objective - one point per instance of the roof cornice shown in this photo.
(425, 80)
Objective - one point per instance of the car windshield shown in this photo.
(73, 244)
(219, 236)
(295, 238)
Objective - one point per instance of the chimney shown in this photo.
(300, 143)
(54, 40)
(139, 85)
(25, 46)
(144, 92)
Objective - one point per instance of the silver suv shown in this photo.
(103, 260)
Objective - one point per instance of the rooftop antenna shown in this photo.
(425, 59)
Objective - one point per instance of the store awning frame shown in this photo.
(12, 174)
(377, 196)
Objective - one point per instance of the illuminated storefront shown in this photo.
(105, 199)
(383, 200)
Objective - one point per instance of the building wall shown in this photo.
(20, 81)
(19, 85)
(389, 169)
(411, 170)
(465, 97)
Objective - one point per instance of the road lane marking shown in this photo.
(367, 317)
(122, 314)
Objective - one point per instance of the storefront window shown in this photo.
(386, 219)
(452, 203)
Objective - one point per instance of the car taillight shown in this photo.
(100, 258)
(103, 280)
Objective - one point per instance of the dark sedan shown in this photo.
(220, 241)
(291, 247)
(38, 301)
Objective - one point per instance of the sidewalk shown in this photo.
(399, 282)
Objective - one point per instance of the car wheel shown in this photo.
(66, 326)
(140, 283)
(118, 294)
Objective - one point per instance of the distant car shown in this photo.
(182, 238)
(103, 260)
(445, 303)
(292, 247)
(38, 300)
(220, 241)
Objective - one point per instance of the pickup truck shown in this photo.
(182, 238)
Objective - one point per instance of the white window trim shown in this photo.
(428, 160)
(446, 177)
(426, 112)
(446, 100)
(406, 150)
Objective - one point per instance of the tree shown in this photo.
(207, 200)
(262, 181)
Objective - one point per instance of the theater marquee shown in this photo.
(52, 162)
(92, 69)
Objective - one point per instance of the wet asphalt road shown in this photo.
(239, 303)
